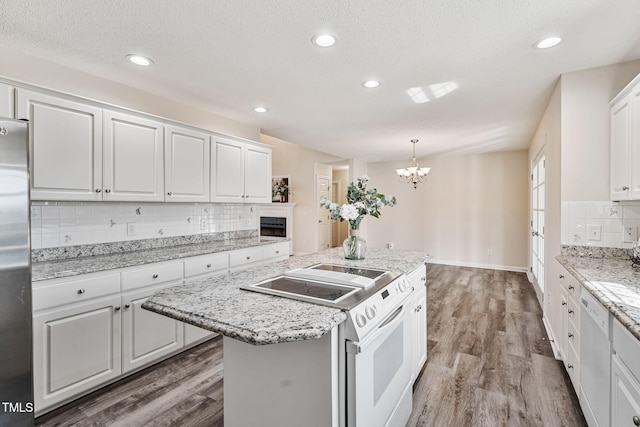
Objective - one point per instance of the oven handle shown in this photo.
(389, 322)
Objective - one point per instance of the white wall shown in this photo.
(19, 66)
(470, 205)
(585, 97)
(300, 163)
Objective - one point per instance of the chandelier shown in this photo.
(414, 173)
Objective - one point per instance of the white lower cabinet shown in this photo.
(91, 329)
(76, 348)
(146, 336)
(418, 305)
(625, 395)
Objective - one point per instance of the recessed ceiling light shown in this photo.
(260, 109)
(139, 60)
(547, 43)
(324, 40)
(371, 84)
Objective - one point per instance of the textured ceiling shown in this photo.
(229, 56)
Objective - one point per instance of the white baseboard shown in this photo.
(478, 265)
(552, 339)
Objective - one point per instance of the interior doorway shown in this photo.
(323, 189)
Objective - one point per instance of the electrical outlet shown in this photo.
(203, 224)
(630, 234)
(131, 229)
(390, 245)
(489, 251)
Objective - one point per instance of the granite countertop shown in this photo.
(92, 264)
(218, 304)
(613, 282)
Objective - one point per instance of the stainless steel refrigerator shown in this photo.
(16, 381)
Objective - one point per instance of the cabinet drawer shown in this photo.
(573, 311)
(151, 275)
(572, 363)
(627, 348)
(572, 286)
(276, 250)
(245, 256)
(58, 292)
(206, 264)
(573, 337)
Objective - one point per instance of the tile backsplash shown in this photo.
(56, 224)
(606, 224)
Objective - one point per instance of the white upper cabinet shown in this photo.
(65, 140)
(625, 143)
(186, 165)
(6, 101)
(241, 172)
(133, 158)
(257, 174)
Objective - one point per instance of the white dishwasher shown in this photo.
(595, 360)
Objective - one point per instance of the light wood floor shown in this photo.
(489, 364)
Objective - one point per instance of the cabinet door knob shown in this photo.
(155, 276)
(116, 308)
(624, 187)
(127, 306)
(570, 311)
(561, 276)
(564, 303)
(636, 420)
(98, 190)
(277, 252)
(169, 193)
(570, 366)
(248, 257)
(81, 291)
(208, 265)
(570, 288)
(570, 335)
(107, 191)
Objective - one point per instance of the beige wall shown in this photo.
(34, 71)
(300, 163)
(469, 205)
(585, 97)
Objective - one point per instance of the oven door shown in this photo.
(379, 374)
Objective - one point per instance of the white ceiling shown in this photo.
(230, 56)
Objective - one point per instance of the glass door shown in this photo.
(537, 219)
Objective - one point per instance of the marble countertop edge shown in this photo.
(604, 296)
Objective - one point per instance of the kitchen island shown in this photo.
(284, 360)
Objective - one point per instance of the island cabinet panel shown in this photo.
(133, 158)
(418, 304)
(186, 165)
(76, 349)
(65, 141)
(6, 100)
(146, 336)
(284, 385)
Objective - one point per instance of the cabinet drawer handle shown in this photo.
(248, 257)
(277, 252)
(564, 303)
(127, 306)
(107, 191)
(116, 308)
(570, 311)
(624, 187)
(570, 288)
(169, 193)
(636, 420)
(155, 276)
(98, 190)
(570, 335)
(570, 366)
(81, 291)
(561, 276)
(208, 265)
